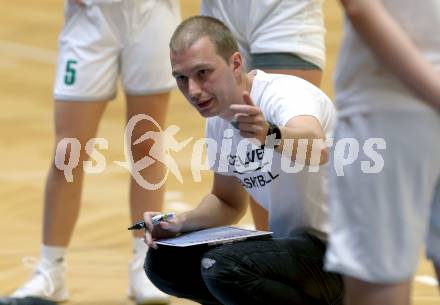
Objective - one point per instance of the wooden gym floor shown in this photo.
(100, 249)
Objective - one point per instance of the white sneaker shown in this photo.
(47, 282)
(141, 289)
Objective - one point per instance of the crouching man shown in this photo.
(281, 112)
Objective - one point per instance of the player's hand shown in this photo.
(250, 119)
(79, 2)
(165, 229)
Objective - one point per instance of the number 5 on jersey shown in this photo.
(70, 76)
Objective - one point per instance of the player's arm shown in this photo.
(394, 48)
(225, 205)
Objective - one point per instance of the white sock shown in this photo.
(53, 254)
(139, 247)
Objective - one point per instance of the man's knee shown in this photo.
(155, 275)
(215, 264)
(228, 277)
(167, 273)
(222, 267)
(160, 276)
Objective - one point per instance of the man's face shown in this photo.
(206, 80)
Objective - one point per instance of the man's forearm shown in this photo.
(211, 212)
(314, 149)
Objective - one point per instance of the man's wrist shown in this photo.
(274, 135)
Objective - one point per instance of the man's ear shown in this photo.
(237, 63)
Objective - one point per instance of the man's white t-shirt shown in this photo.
(363, 84)
(294, 194)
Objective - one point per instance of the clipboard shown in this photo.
(212, 236)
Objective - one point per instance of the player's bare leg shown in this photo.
(359, 292)
(143, 199)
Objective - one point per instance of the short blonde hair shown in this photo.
(196, 27)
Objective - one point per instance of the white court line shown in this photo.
(248, 226)
(173, 195)
(17, 49)
(425, 298)
(426, 279)
(25, 175)
(29, 175)
(177, 206)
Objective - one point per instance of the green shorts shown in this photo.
(281, 61)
